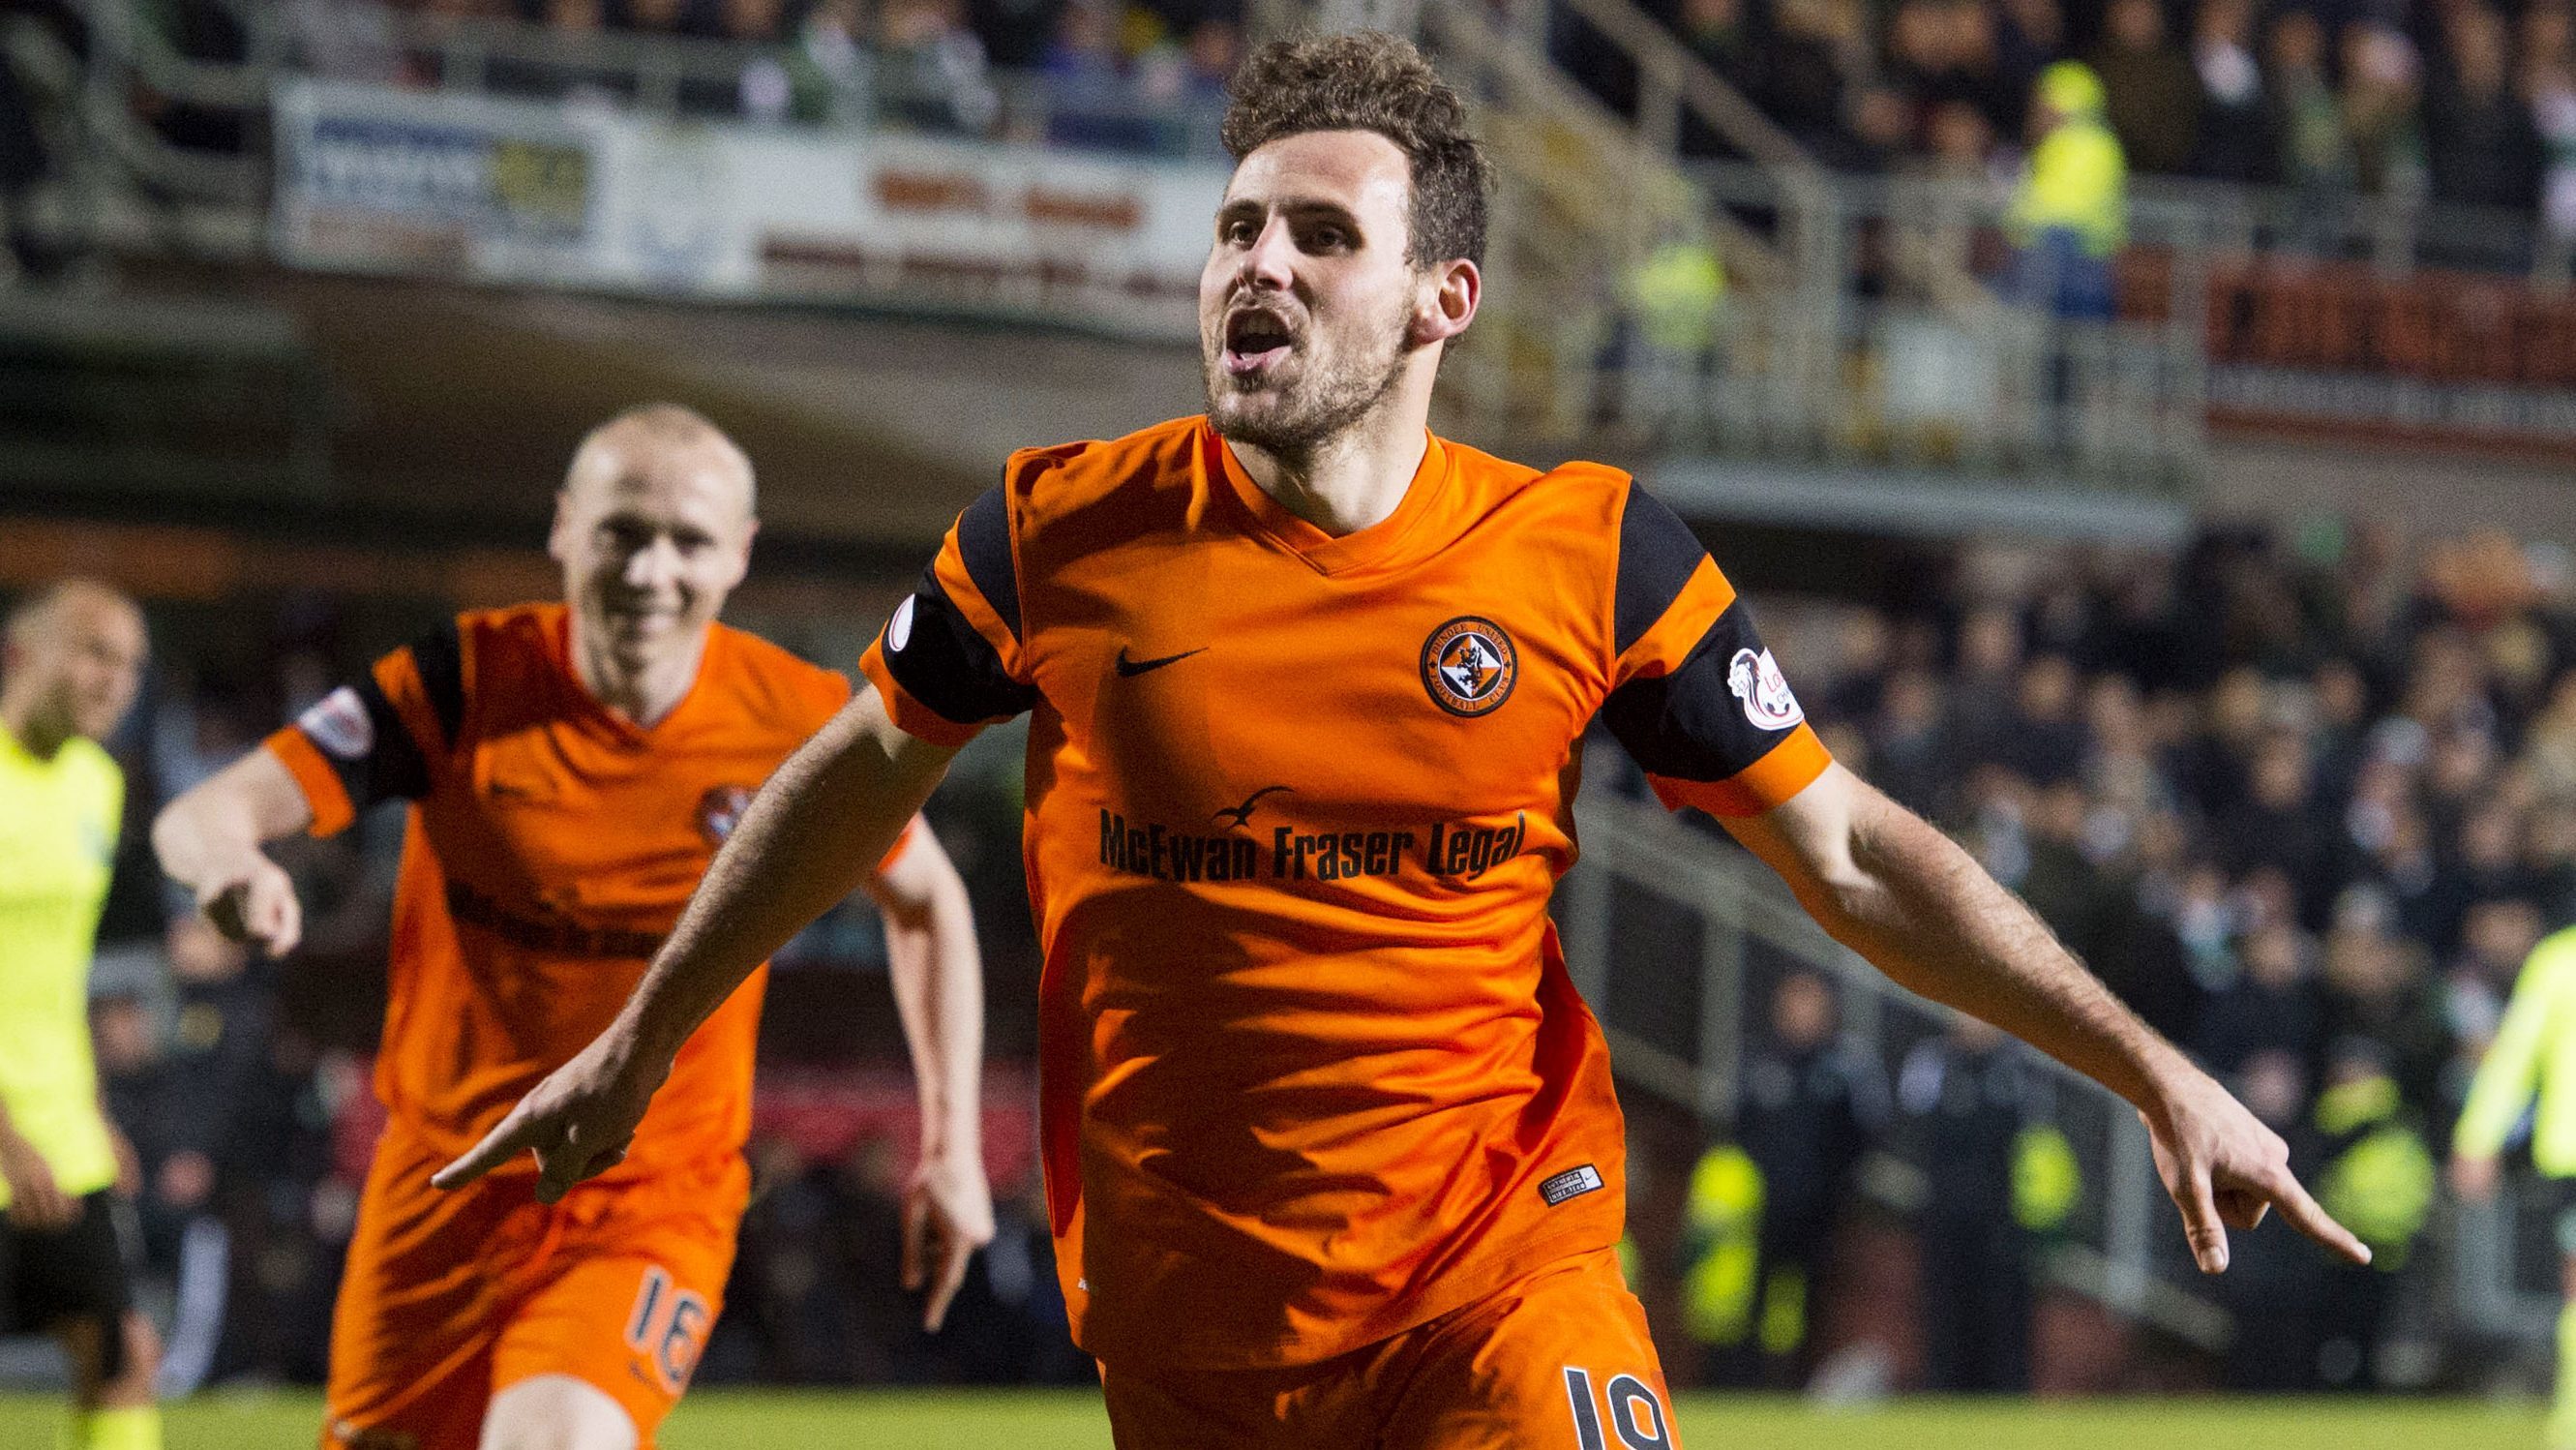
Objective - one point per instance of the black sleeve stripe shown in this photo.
(984, 542)
(1657, 554)
(396, 769)
(440, 657)
(1690, 724)
(947, 666)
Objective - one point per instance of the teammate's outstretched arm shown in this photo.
(1892, 888)
(209, 841)
(815, 831)
(939, 991)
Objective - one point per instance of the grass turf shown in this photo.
(1006, 1420)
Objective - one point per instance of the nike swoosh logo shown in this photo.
(1128, 669)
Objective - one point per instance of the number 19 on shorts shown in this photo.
(668, 1328)
(1636, 1416)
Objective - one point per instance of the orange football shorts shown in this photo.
(1558, 1360)
(451, 1297)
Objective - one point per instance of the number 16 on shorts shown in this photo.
(668, 1328)
(1636, 1416)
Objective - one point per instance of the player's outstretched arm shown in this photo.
(2510, 1071)
(209, 841)
(811, 836)
(1892, 888)
(939, 991)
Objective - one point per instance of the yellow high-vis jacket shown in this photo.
(2534, 1055)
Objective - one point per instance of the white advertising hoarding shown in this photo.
(382, 179)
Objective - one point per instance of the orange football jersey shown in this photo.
(1312, 1070)
(550, 847)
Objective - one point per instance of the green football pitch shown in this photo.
(968, 1420)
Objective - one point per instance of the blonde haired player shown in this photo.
(571, 769)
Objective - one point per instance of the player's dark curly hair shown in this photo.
(1368, 80)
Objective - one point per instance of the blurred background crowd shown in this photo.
(2460, 100)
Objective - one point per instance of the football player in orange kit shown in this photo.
(572, 769)
(1331, 1151)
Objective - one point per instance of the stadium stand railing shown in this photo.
(1650, 890)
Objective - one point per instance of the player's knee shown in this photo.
(113, 1363)
(137, 1367)
(557, 1412)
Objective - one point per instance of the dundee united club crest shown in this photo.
(720, 810)
(1469, 666)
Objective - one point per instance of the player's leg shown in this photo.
(1559, 1360)
(420, 1305)
(113, 1362)
(1155, 1407)
(556, 1412)
(73, 1281)
(606, 1340)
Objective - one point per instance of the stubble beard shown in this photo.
(1311, 411)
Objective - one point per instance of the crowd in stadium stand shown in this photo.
(2307, 805)
(2459, 102)
(2462, 101)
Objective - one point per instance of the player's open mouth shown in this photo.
(1254, 340)
(639, 619)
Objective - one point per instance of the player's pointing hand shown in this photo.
(947, 1216)
(2226, 1170)
(578, 1121)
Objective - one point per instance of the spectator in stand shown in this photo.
(936, 75)
(1966, 1098)
(1089, 99)
(2486, 866)
(2273, 1289)
(2383, 85)
(1810, 1106)
(2375, 1167)
(2029, 36)
(765, 91)
(2484, 148)
(1910, 745)
(1806, 57)
(2151, 94)
(651, 17)
(1722, 37)
(827, 72)
(2277, 825)
(2069, 215)
(2377, 986)
(2235, 141)
(2316, 154)
(2548, 84)
(2042, 741)
(1214, 49)
(1981, 686)
(2272, 1006)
